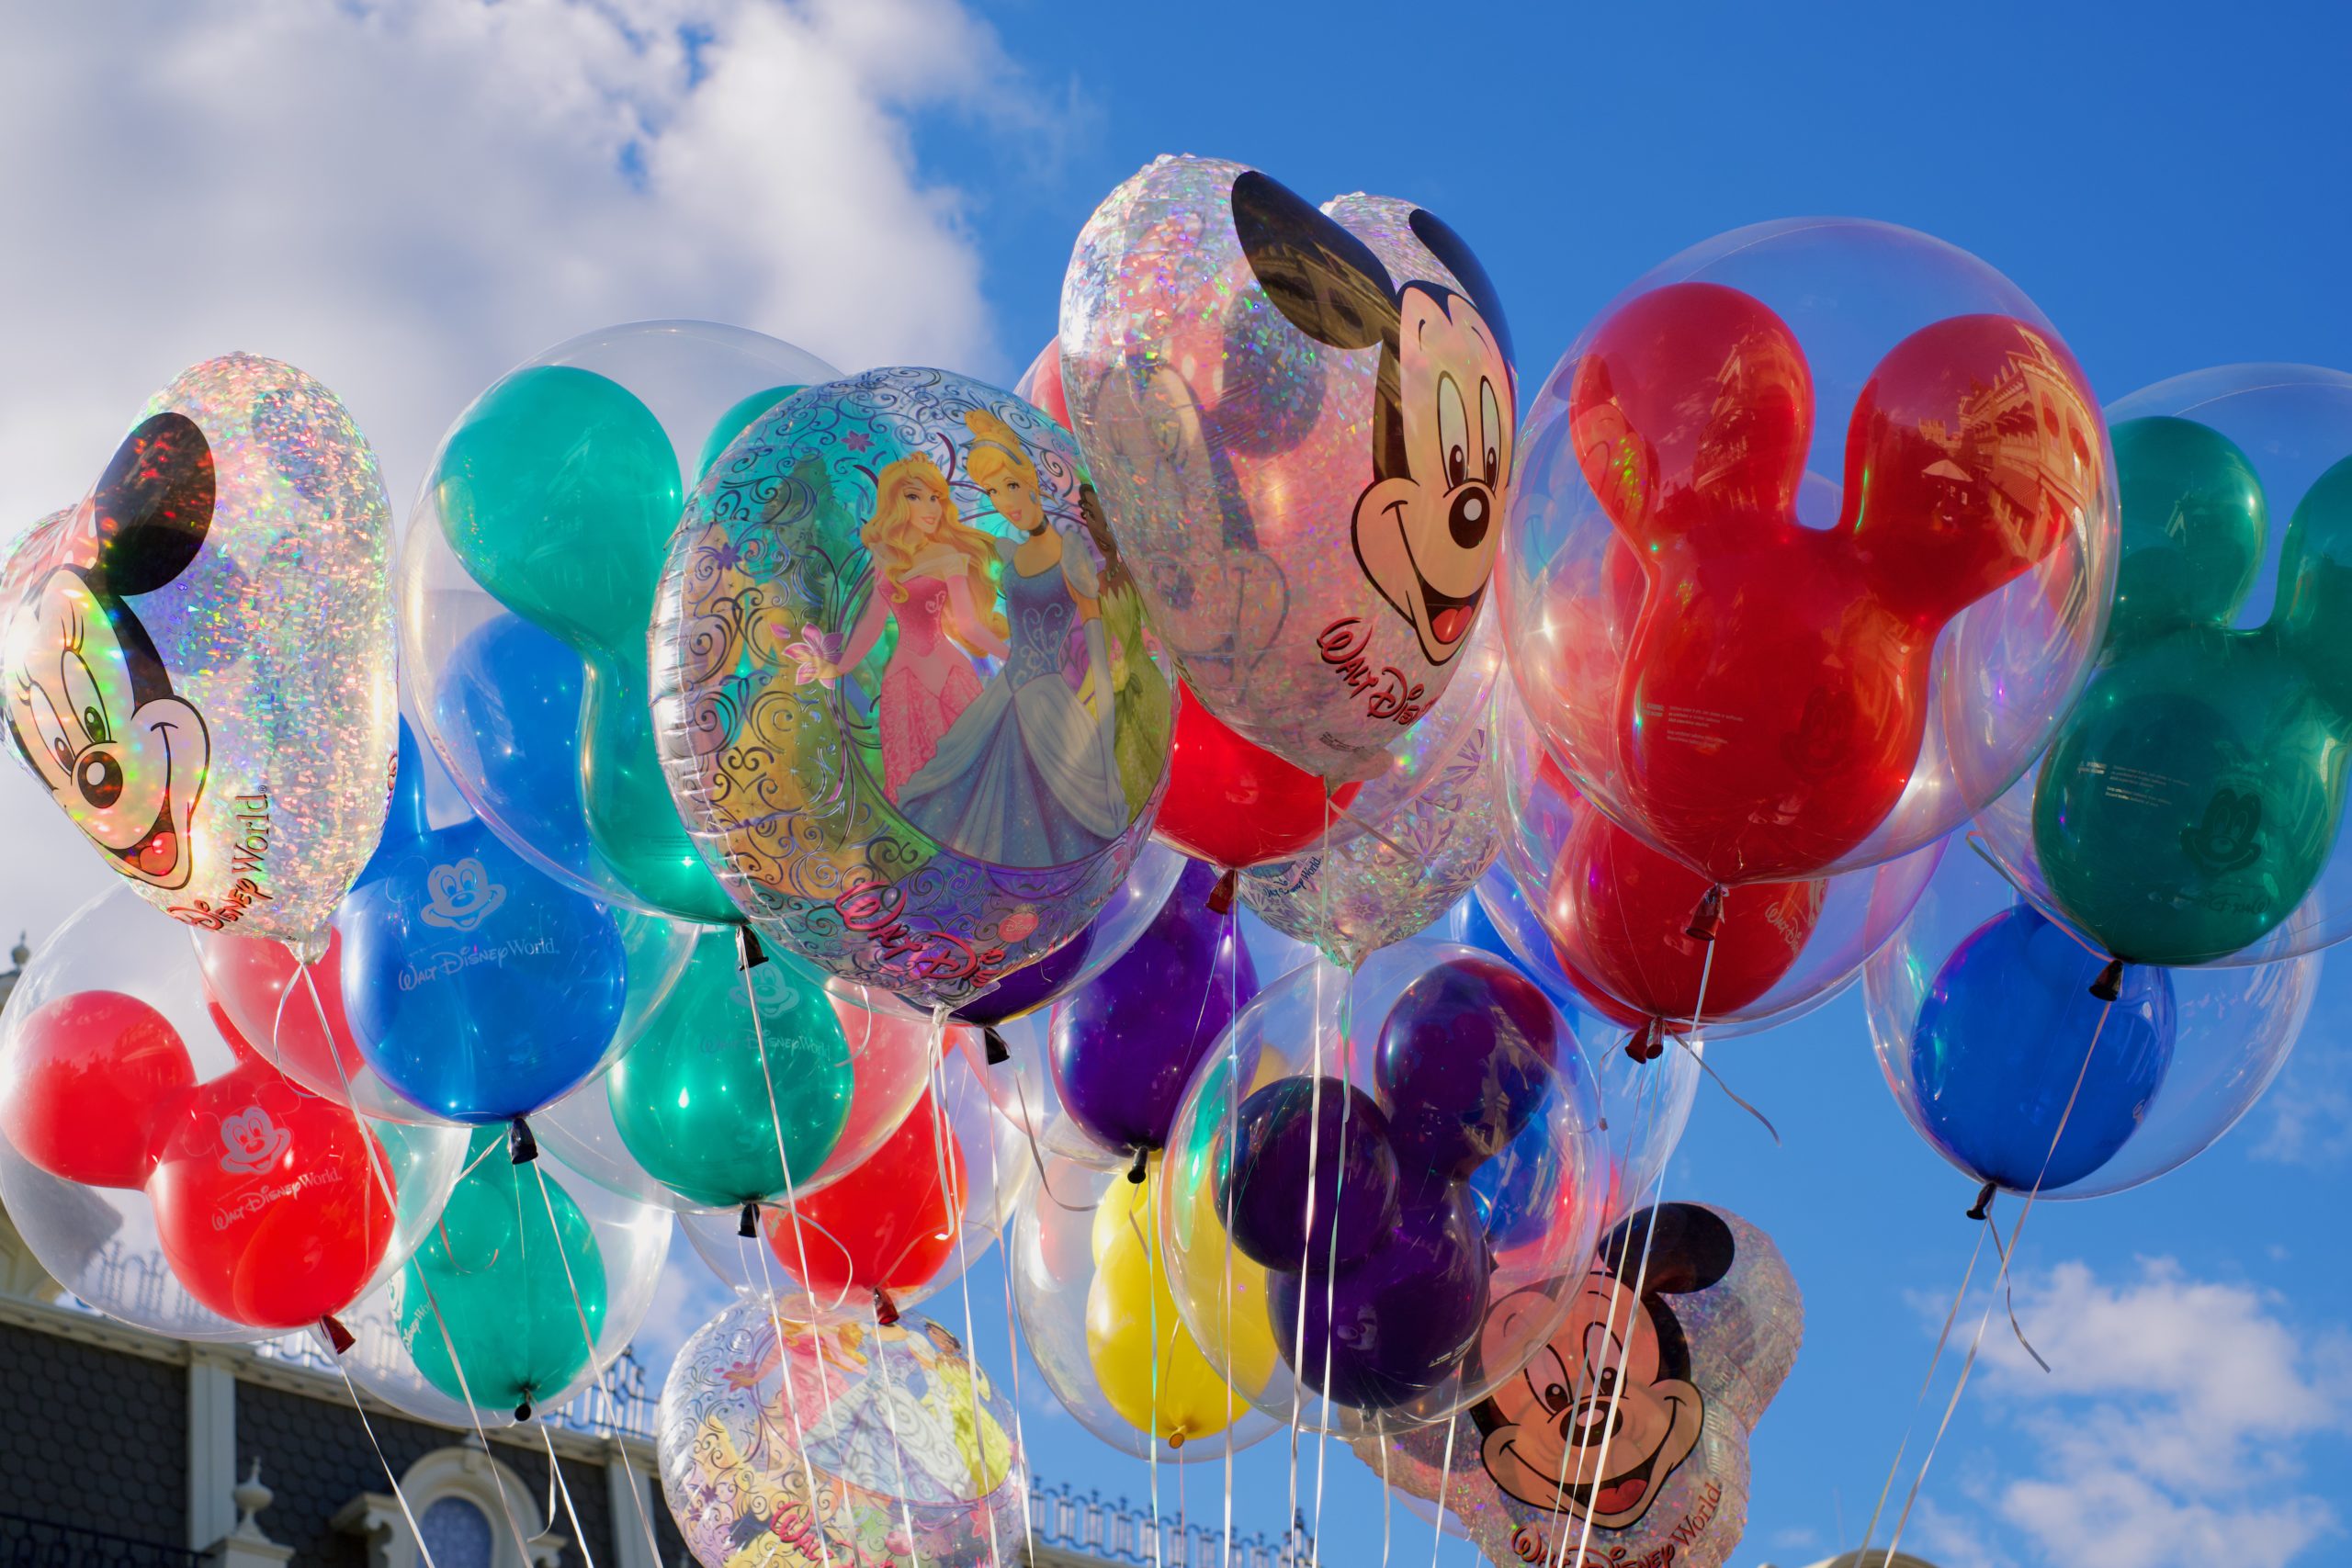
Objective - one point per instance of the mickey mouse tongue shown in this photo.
(1620, 1496)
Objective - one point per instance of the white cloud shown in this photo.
(2167, 1433)
(2310, 1120)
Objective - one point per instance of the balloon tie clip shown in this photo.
(885, 1311)
(998, 1052)
(1221, 895)
(337, 1334)
(1708, 918)
(522, 1148)
(749, 953)
(523, 1410)
(1984, 1200)
(2108, 987)
(749, 1225)
(1142, 1163)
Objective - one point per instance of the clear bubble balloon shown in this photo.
(527, 583)
(1809, 550)
(163, 1174)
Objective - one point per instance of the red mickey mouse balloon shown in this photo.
(886, 1226)
(85, 1086)
(1746, 677)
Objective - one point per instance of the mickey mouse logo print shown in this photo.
(254, 1142)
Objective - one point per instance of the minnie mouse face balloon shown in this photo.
(1630, 1425)
(1301, 426)
(197, 660)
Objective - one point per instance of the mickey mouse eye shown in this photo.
(89, 707)
(1490, 432)
(1453, 432)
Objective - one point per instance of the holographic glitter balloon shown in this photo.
(199, 659)
(1301, 426)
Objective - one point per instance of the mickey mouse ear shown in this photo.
(153, 505)
(1325, 279)
(1453, 253)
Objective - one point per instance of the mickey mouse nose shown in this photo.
(1473, 511)
(100, 778)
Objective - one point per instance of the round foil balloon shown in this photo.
(527, 579)
(2191, 808)
(198, 658)
(1302, 423)
(165, 1174)
(1625, 1437)
(1744, 659)
(784, 1444)
(903, 686)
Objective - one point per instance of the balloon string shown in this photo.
(1225, 1305)
(1387, 1501)
(1013, 1353)
(1729, 1093)
(2009, 1289)
(1028, 1132)
(556, 1470)
(1942, 1339)
(951, 1204)
(398, 1496)
(890, 1424)
(784, 1163)
(1445, 1476)
(1331, 1255)
(1641, 1282)
(1151, 1319)
(2008, 1254)
(817, 1511)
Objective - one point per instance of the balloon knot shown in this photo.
(997, 1049)
(885, 1311)
(1175, 1439)
(749, 1225)
(1221, 895)
(2110, 984)
(1648, 1042)
(1136, 1171)
(337, 1334)
(1984, 1200)
(523, 1411)
(1708, 917)
(521, 1147)
(749, 953)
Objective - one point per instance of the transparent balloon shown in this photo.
(1100, 1320)
(526, 581)
(2220, 697)
(838, 1443)
(533, 1282)
(1394, 1148)
(1739, 650)
(163, 1174)
(897, 1227)
(1616, 916)
(2065, 1090)
(1098, 945)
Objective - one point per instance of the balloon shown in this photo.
(261, 1001)
(1104, 941)
(86, 1084)
(551, 501)
(876, 804)
(1352, 1076)
(1236, 805)
(2190, 805)
(907, 1443)
(167, 1174)
(198, 661)
(493, 1304)
(2023, 1077)
(725, 1109)
(1125, 1046)
(1736, 659)
(1997, 1048)
(1637, 1452)
(1251, 381)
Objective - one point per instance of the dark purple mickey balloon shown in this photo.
(1263, 1186)
(1126, 1045)
(1466, 1056)
(1400, 1322)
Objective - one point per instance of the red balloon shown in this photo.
(1776, 680)
(1619, 914)
(87, 1085)
(1044, 379)
(273, 1206)
(246, 981)
(1234, 804)
(887, 1224)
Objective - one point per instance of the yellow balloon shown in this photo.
(1147, 1365)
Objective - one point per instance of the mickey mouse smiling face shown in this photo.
(90, 703)
(1606, 1411)
(1427, 528)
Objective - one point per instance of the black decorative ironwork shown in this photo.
(39, 1543)
(1115, 1530)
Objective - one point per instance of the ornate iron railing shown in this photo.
(1116, 1530)
(615, 1404)
(37, 1543)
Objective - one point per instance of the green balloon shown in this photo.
(734, 422)
(2192, 798)
(691, 1098)
(501, 1265)
(558, 491)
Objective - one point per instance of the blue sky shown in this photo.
(408, 198)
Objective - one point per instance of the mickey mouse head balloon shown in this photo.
(197, 660)
(1301, 423)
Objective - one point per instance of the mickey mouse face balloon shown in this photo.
(1301, 423)
(197, 660)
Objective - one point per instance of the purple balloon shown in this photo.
(1463, 1062)
(1398, 1323)
(1264, 1185)
(1032, 986)
(1126, 1045)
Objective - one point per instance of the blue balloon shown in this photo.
(475, 985)
(2001, 1039)
(511, 692)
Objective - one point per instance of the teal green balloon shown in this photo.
(503, 1264)
(557, 492)
(734, 422)
(2193, 797)
(695, 1105)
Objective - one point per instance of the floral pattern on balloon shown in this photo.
(904, 686)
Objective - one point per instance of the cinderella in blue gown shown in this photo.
(1025, 775)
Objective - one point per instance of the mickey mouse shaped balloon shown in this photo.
(1301, 423)
(1625, 1436)
(198, 660)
